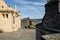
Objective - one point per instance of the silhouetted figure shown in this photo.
(25, 27)
(29, 27)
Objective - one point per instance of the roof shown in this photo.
(5, 7)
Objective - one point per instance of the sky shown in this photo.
(29, 8)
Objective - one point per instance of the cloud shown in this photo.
(28, 2)
(38, 3)
(30, 8)
(29, 11)
(33, 9)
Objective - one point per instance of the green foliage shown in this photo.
(33, 27)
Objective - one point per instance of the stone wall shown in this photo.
(9, 18)
(26, 22)
(6, 22)
(52, 16)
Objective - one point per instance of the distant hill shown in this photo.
(36, 19)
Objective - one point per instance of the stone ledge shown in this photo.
(52, 36)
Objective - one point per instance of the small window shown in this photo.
(7, 15)
(2, 6)
(13, 20)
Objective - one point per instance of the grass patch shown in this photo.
(33, 27)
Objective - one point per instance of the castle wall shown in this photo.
(17, 23)
(2, 23)
(52, 15)
(6, 23)
(9, 18)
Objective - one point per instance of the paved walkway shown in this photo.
(24, 34)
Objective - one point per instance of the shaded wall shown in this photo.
(52, 16)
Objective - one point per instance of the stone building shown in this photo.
(26, 22)
(51, 21)
(9, 18)
(52, 14)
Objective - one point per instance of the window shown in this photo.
(16, 15)
(2, 6)
(7, 15)
(13, 20)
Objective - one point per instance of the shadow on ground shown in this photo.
(41, 30)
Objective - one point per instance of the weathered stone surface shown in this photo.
(52, 36)
(52, 15)
(51, 20)
(9, 18)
